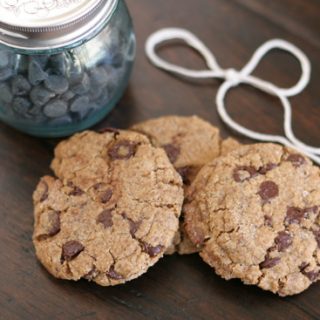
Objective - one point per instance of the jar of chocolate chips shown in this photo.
(64, 64)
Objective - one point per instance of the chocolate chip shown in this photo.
(316, 234)
(54, 226)
(106, 196)
(123, 150)
(20, 86)
(109, 129)
(76, 192)
(304, 265)
(6, 73)
(40, 96)
(268, 167)
(117, 60)
(103, 99)
(243, 173)
(105, 217)
(58, 63)
(96, 92)
(57, 84)
(4, 59)
(268, 190)
(82, 87)
(283, 240)
(99, 77)
(67, 96)
(21, 105)
(296, 159)
(41, 59)
(134, 226)
(184, 173)
(71, 250)
(269, 262)
(81, 106)
(55, 109)
(35, 111)
(294, 215)
(75, 72)
(150, 250)
(91, 274)
(5, 93)
(112, 274)
(45, 192)
(36, 73)
(61, 120)
(311, 275)
(113, 76)
(312, 209)
(97, 186)
(172, 152)
(268, 221)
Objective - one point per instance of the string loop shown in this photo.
(233, 78)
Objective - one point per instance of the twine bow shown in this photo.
(233, 78)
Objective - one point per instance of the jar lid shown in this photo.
(51, 24)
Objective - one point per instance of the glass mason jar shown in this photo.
(64, 64)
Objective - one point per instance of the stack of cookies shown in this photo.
(121, 200)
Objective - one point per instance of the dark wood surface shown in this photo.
(177, 287)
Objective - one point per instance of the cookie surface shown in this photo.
(190, 143)
(254, 214)
(113, 210)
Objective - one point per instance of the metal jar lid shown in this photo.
(51, 24)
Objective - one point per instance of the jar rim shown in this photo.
(63, 24)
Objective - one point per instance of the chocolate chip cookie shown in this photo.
(112, 212)
(255, 215)
(190, 143)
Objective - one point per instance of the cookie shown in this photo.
(255, 215)
(112, 212)
(190, 143)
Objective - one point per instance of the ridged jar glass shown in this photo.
(64, 64)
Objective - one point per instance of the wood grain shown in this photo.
(177, 287)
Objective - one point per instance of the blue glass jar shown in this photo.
(64, 64)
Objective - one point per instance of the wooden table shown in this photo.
(177, 287)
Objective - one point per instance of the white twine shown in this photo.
(233, 78)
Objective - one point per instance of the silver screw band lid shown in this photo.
(51, 24)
